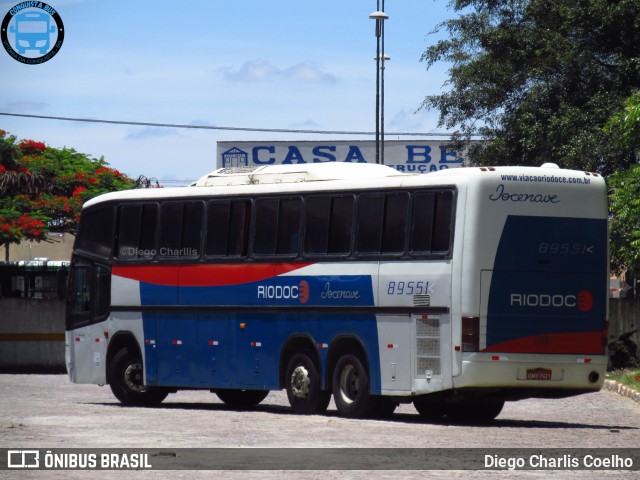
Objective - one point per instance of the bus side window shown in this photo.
(239, 228)
(170, 230)
(191, 230)
(289, 226)
(317, 212)
(217, 228)
(431, 223)
(129, 231)
(394, 231)
(148, 230)
(227, 228)
(102, 299)
(266, 226)
(80, 293)
(96, 232)
(422, 222)
(89, 295)
(442, 222)
(137, 232)
(328, 224)
(369, 224)
(341, 225)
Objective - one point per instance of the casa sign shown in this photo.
(413, 156)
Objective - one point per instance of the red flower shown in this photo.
(78, 191)
(2, 167)
(31, 147)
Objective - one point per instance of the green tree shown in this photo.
(43, 189)
(624, 191)
(538, 79)
(624, 221)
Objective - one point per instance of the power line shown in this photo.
(210, 127)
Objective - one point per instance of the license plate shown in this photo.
(538, 374)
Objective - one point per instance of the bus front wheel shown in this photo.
(304, 387)
(351, 388)
(125, 375)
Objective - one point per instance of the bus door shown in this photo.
(87, 305)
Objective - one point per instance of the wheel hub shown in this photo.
(133, 377)
(349, 384)
(300, 382)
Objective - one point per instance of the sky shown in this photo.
(249, 63)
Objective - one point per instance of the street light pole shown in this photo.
(382, 92)
(379, 16)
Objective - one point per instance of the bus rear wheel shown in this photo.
(429, 407)
(304, 386)
(125, 375)
(351, 388)
(474, 411)
(385, 407)
(242, 398)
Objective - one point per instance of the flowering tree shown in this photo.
(42, 188)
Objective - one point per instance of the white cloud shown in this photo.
(24, 107)
(152, 132)
(261, 71)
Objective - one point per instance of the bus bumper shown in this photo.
(533, 375)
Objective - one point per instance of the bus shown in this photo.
(33, 30)
(456, 290)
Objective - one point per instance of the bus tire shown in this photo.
(351, 388)
(242, 399)
(125, 374)
(478, 411)
(304, 386)
(385, 407)
(429, 408)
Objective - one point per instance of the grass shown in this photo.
(630, 378)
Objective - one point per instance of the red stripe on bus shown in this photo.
(585, 343)
(204, 275)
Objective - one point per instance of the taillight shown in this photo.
(470, 334)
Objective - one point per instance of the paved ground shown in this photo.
(46, 411)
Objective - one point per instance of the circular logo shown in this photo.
(585, 301)
(32, 32)
(303, 291)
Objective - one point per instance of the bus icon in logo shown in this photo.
(33, 31)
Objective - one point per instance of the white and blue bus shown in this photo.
(456, 290)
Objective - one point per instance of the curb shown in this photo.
(621, 389)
